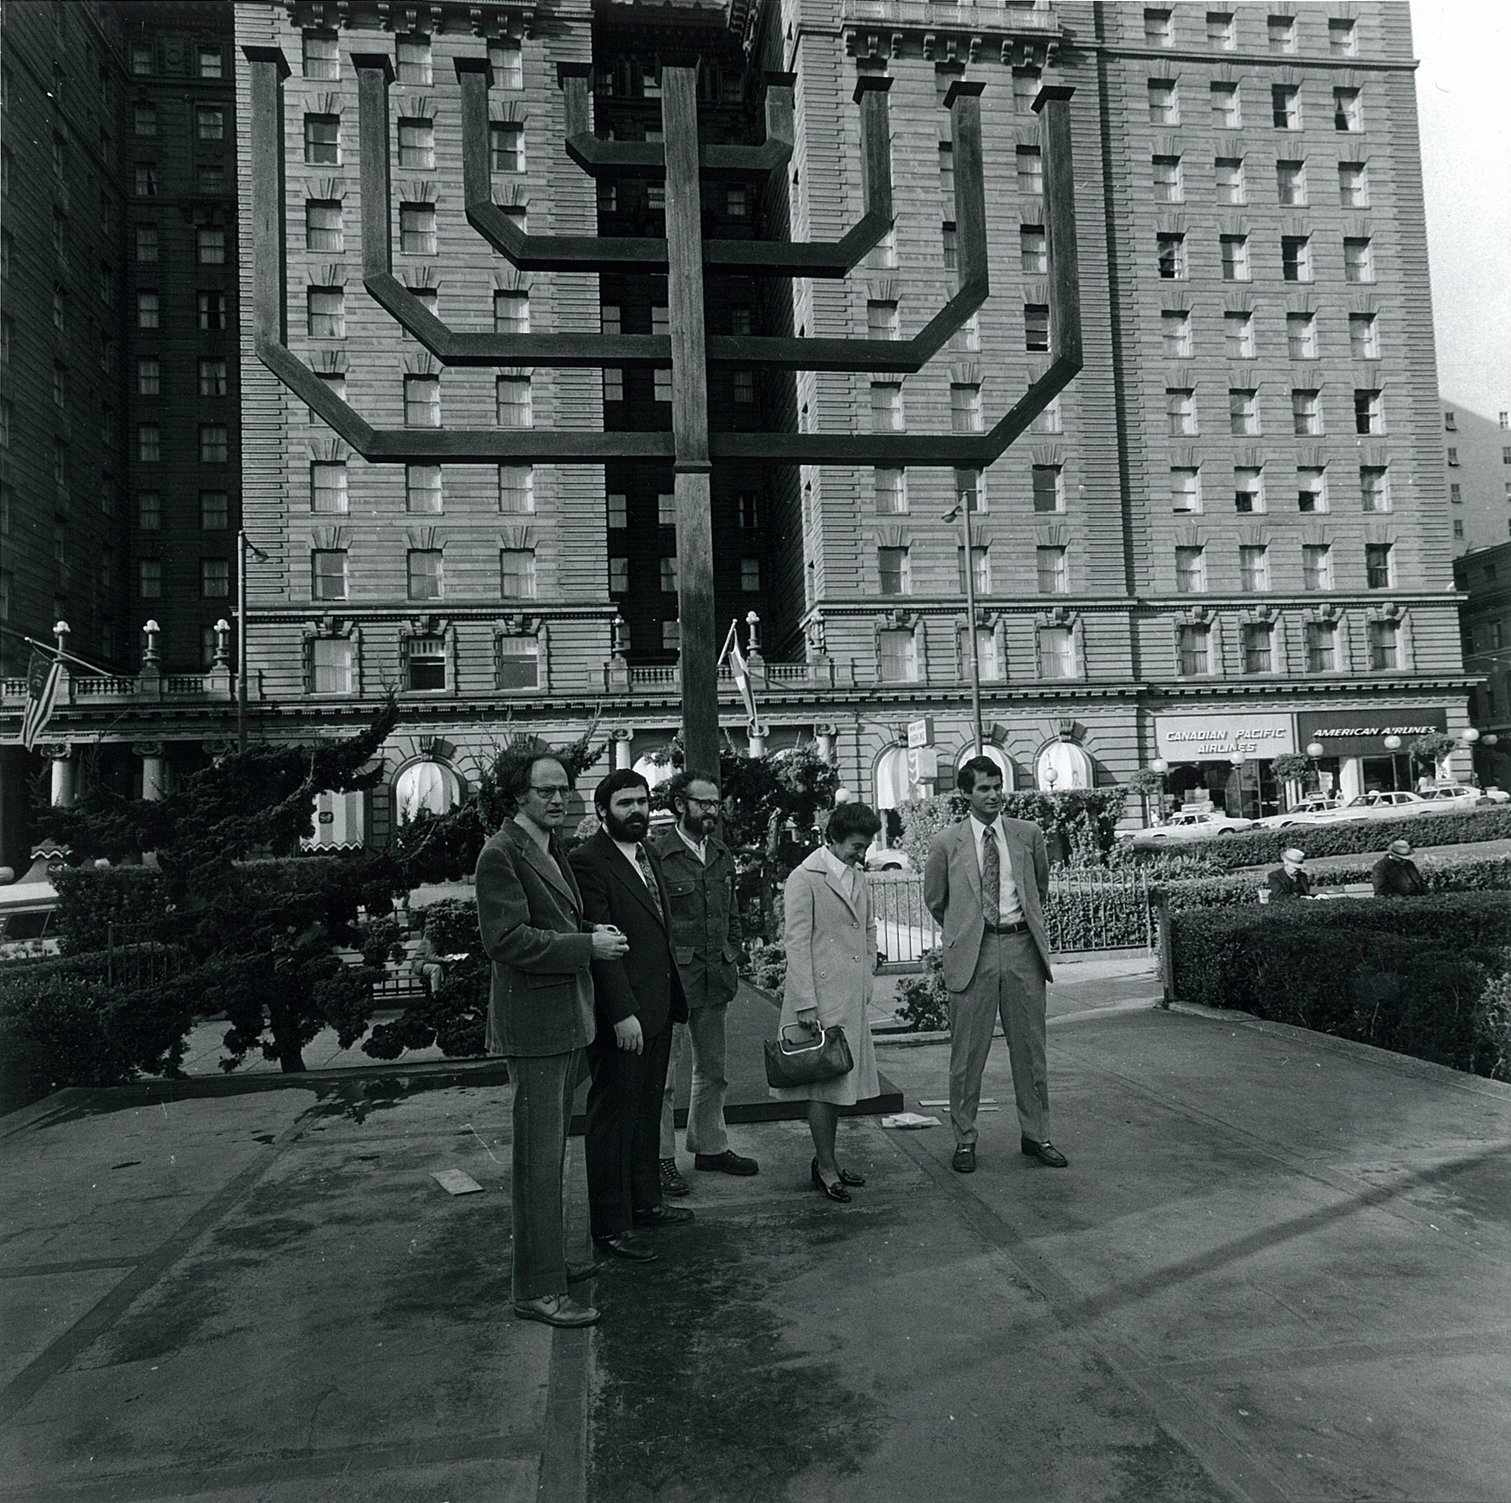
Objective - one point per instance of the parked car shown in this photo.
(889, 860)
(1451, 796)
(1190, 824)
(1379, 804)
(1300, 813)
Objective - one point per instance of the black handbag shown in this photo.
(826, 1058)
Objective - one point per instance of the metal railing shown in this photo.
(134, 958)
(1085, 908)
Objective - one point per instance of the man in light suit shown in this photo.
(982, 882)
(540, 1018)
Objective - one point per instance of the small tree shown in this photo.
(1295, 767)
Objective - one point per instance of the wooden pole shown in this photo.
(692, 467)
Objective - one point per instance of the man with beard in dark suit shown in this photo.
(638, 998)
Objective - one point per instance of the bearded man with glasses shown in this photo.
(540, 1018)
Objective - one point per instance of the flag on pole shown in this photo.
(41, 696)
(739, 670)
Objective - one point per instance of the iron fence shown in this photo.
(134, 958)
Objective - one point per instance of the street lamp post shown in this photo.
(1314, 750)
(1160, 766)
(243, 547)
(963, 510)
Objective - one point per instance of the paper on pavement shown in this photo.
(454, 1182)
(909, 1119)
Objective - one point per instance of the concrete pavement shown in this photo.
(1276, 1269)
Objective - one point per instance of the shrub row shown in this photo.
(1352, 836)
(1418, 976)
(453, 1019)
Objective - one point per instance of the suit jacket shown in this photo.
(1395, 877)
(645, 983)
(1283, 885)
(952, 892)
(831, 946)
(705, 910)
(529, 910)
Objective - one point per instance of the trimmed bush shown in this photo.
(1080, 824)
(455, 1018)
(766, 966)
(1404, 974)
(924, 1000)
(90, 900)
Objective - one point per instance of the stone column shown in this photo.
(64, 773)
(154, 769)
(621, 747)
(825, 734)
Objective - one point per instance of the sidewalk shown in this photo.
(1276, 1269)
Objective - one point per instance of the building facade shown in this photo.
(1228, 538)
(1478, 451)
(1485, 578)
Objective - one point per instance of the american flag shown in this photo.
(740, 671)
(41, 696)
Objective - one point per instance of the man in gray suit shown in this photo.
(982, 882)
(540, 1018)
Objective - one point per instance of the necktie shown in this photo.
(991, 874)
(644, 863)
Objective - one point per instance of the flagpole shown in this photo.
(56, 651)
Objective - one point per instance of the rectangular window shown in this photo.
(1453, 457)
(1191, 571)
(1374, 487)
(325, 312)
(1231, 188)
(1296, 258)
(669, 575)
(1450, 422)
(666, 509)
(891, 492)
(322, 57)
(149, 510)
(1191, 651)
(1321, 646)
(422, 487)
(1180, 411)
(981, 570)
(506, 146)
(1048, 421)
(1243, 411)
(1175, 334)
(970, 492)
(211, 63)
(1353, 185)
(322, 140)
(1033, 250)
(425, 662)
(146, 244)
(145, 180)
(1285, 106)
(748, 511)
(144, 120)
(1282, 33)
(1348, 110)
(422, 568)
(947, 173)
(1290, 183)
(1238, 335)
(897, 652)
(514, 405)
(149, 578)
(750, 575)
(210, 122)
(214, 378)
(1258, 655)
(506, 64)
(412, 58)
(619, 576)
(881, 320)
(214, 443)
(1248, 490)
(1456, 494)
(142, 59)
(1030, 172)
(893, 571)
(886, 406)
(1172, 257)
(1049, 492)
(742, 391)
(328, 574)
(1221, 30)
(1369, 411)
(149, 377)
(965, 407)
(517, 662)
(1316, 566)
(148, 305)
(416, 143)
(1384, 646)
(417, 229)
(331, 665)
(1036, 327)
(1254, 567)
(1026, 85)
(1311, 489)
(214, 511)
(211, 179)
(1159, 28)
(1169, 181)
(1301, 336)
(1052, 569)
(214, 578)
(516, 493)
(211, 308)
(1227, 107)
(1379, 571)
(1185, 489)
(1306, 412)
(1057, 655)
(149, 443)
(1358, 259)
(422, 401)
(1235, 258)
(1363, 336)
(1342, 38)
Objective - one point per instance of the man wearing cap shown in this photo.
(1396, 874)
(1289, 880)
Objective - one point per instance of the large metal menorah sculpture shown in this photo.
(683, 255)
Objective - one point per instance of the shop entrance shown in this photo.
(1389, 773)
(1246, 791)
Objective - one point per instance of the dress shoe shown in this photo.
(855, 1180)
(625, 1245)
(1046, 1153)
(662, 1215)
(836, 1191)
(964, 1161)
(672, 1182)
(578, 1273)
(556, 1310)
(728, 1162)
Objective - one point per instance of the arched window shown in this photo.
(425, 785)
(995, 754)
(654, 773)
(1063, 765)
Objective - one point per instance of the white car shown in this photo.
(1376, 805)
(888, 861)
(1450, 796)
(1301, 813)
(1190, 824)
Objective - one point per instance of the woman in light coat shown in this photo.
(830, 937)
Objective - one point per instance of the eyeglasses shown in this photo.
(706, 803)
(549, 793)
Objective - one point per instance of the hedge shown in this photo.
(1353, 836)
(91, 899)
(1412, 975)
(454, 1018)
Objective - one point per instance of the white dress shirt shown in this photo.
(1009, 908)
(631, 849)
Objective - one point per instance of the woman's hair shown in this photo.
(852, 819)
